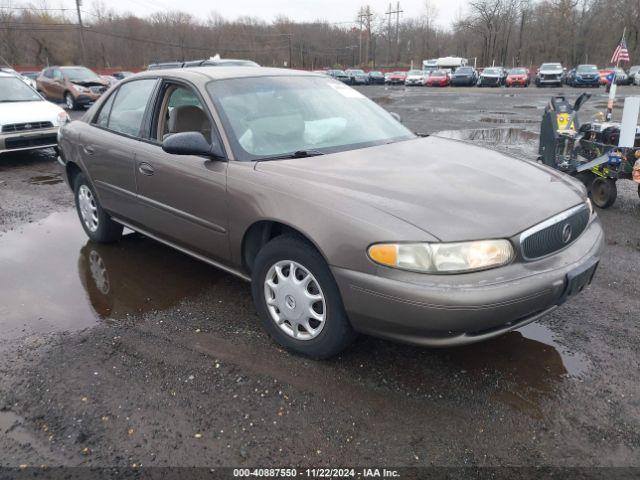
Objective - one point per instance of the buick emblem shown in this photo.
(28, 126)
(566, 233)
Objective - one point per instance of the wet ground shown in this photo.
(137, 354)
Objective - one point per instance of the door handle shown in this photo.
(89, 149)
(145, 169)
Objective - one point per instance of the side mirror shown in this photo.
(191, 143)
(396, 116)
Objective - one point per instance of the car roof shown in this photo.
(224, 73)
(6, 74)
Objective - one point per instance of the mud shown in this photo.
(137, 354)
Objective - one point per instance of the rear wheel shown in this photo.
(96, 223)
(298, 300)
(603, 192)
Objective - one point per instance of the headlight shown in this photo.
(443, 257)
(62, 118)
(590, 205)
(81, 89)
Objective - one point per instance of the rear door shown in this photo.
(183, 197)
(109, 148)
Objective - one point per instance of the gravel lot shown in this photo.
(136, 354)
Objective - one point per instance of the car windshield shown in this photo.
(359, 72)
(587, 69)
(492, 71)
(341, 73)
(80, 74)
(439, 73)
(415, 72)
(517, 71)
(375, 74)
(12, 89)
(464, 70)
(274, 116)
(551, 66)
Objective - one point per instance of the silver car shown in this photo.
(341, 218)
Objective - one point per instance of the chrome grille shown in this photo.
(555, 233)
(22, 127)
(98, 89)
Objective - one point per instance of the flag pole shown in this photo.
(613, 87)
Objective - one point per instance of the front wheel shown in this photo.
(603, 192)
(298, 300)
(96, 223)
(70, 102)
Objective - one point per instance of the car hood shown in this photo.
(551, 72)
(450, 189)
(491, 75)
(24, 112)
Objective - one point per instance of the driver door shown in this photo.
(183, 197)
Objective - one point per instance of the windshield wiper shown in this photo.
(296, 154)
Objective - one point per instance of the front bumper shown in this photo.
(28, 140)
(586, 82)
(511, 82)
(550, 80)
(414, 83)
(449, 310)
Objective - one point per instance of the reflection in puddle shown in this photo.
(46, 179)
(507, 120)
(529, 360)
(54, 279)
(492, 136)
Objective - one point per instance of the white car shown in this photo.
(26, 80)
(415, 77)
(634, 74)
(27, 121)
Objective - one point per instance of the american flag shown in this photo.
(621, 54)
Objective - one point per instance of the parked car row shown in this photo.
(549, 74)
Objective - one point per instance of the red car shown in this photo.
(518, 77)
(438, 78)
(603, 75)
(396, 78)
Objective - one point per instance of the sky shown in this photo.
(300, 10)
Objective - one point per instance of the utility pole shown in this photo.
(365, 13)
(83, 52)
(397, 12)
(290, 50)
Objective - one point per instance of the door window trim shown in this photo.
(153, 117)
(114, 94)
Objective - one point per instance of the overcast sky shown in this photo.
(301, 10)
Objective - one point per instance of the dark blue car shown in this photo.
(586, 76)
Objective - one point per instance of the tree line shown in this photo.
(489, 32)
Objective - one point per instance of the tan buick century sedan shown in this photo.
(343, 220)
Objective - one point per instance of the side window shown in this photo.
(48, 73)
(129, 106)
(182, 111)
(103, 117)
(57, 74)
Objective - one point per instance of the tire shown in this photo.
(603, 192)
(317, 339)
(639, 190)
(96, 223)
(70, 102)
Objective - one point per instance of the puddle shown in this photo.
(386, 100)
(530, 362)
(46, 179)
(54, 279)
(491, 136)
(508, 120)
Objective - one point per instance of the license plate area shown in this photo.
(578, 279)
